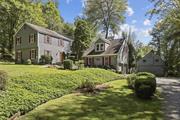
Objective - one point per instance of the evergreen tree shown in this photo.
(82, 37)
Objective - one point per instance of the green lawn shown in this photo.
(30, 86)
(116, 103)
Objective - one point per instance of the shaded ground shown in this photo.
(171, 92)
(115, 103)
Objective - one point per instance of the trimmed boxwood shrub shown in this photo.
(45, 59)
(145, 85)
(3, 79)
(145, 74)
(28, 62)
(68, 64)
(131, 80)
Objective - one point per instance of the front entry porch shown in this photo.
(101, 61)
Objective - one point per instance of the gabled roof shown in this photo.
(103, 40)
(113, 48)
(46, 31)
(152, 53)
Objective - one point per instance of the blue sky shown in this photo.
(135, 17)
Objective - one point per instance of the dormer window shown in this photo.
(99, 47)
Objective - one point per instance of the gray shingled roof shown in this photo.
(113, 48)
(46, 31)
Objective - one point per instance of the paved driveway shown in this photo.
(171, 91)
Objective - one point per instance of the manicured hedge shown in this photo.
(131, 80)
(143, 83)
(29, 88)
(68, 64)
(145, 86)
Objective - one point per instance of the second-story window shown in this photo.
(18, 40)
(47, 39)
(99, 47)
(60, 43)
(32, 38)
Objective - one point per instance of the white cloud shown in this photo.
(125, 28)
(68, 1)
(147, 22)
(142, 34)
(145, 32)
(134, 21)
(130, 11)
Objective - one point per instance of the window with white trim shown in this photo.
(31, 38)
(47, 52)
(60, 43)
(18, 40)
(47, 39)
(33, 54)
(99, 47)
(19, 54)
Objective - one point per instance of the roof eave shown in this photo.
(100, 55)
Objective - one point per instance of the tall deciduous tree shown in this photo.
(52, 16)
(68, 30)
(12, 14)
(107, 15)
(166, 32)
(82, 37)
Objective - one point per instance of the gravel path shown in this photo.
(171, 91)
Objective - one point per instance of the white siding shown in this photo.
(53, 47)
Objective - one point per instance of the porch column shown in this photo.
(109, 60)
(103, 61)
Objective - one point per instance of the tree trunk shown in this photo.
(107, 32)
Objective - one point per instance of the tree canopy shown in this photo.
(13, 13)
(107, 15)
(82, 37)
(166, 32)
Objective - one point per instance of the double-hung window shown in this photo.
(99, 47)
(47, 39)
(32, 38)
(18, 40)
(33, 54)
(60, 43)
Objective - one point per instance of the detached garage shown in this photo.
(151, 63)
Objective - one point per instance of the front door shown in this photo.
(62, 56)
